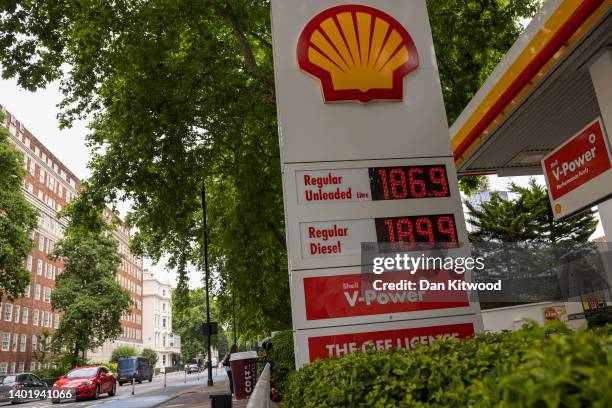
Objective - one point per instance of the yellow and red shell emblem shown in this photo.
(358, 53)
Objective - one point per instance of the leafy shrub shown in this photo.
(532, 367)
(282, 359)
(111, 366)
(150, 355)
(123, 351)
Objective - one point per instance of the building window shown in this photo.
(27, 292)
(6, 339)
(164, 341)
(15, 342)
(39, 267)
(21, 366)
(3, 368)
(56, 320)
(8, 312)
(164, 360)
(34, 343)
(29, 263)
(49, 270)
(37, 292)
(45, 322)
(164, 323)
(36, 317)
(48, 295)
(163, 307)
(22, 343)
(25, 316)
(41, 243)
(17, 311)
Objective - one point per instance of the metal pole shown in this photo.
(234, 315)
(164, 378)
(208, 357)
(133, 385)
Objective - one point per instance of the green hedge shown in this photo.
(532, 367)
(282, 359)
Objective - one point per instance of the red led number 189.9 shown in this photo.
(408, 182)
(417, 232)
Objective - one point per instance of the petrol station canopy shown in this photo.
(539, 95)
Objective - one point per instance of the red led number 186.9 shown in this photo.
(408, 182)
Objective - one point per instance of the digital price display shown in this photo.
(407, 182)
(417, 232)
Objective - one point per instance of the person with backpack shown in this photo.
(228, 368)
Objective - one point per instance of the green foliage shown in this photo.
(282, 359)
(532, 367)
(91, 300)
(43, 347)
(471, 184)
(150, 355)
(113, 367)
(470, 38)
(123, 351)
(189, 320)
(528, 217)
(182, 92)
(17, 220)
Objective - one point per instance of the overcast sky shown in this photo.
(38, 111)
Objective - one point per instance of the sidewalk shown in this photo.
(200, 397)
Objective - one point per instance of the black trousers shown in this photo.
(231, 381)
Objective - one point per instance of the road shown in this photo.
(146, 395)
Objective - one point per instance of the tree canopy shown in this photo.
(181, 92)
(527, 216)
(17, 219)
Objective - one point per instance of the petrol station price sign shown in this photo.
(372, 184)
(366, 157)
(409, 233)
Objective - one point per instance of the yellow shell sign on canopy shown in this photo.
(358, 53)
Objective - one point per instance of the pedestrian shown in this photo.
(228, 368)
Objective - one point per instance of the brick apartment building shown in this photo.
(48, 186)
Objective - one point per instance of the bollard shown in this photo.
(198, 375)
(185, 376)
(164, 378)
(133, 385)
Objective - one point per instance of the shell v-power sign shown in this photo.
(366, 158)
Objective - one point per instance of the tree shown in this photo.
(575, 229)
(528, 217)
(86, 292)
(17, 220)
(189, 322)
(150, 355)
(43, 348)
(123, 351)
(182, 92)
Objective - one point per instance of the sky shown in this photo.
(38, 111)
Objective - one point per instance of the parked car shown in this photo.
(24, 386)
(84, 382)
(134, 367)
(193, 368)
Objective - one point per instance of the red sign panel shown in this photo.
(330, 297)
(581, 159)
(332, 346)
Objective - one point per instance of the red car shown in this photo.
(84, 382)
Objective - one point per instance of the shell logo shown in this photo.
(358, 53)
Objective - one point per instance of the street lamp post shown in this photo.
(206, 273)
(234, 316)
